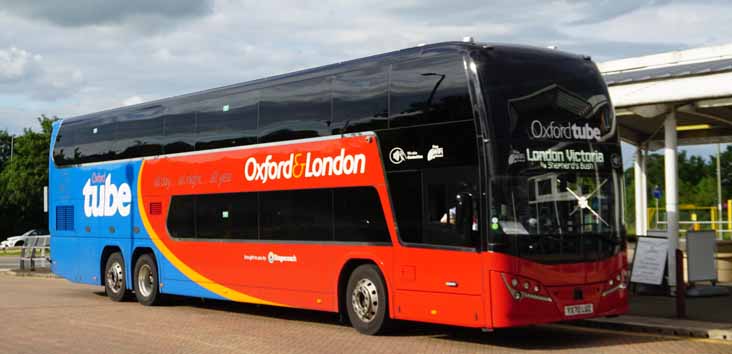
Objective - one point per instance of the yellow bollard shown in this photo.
(694, 226)
(729, 215)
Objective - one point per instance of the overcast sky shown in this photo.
(66, 58)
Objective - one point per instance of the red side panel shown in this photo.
(460, 310)
(300, 275)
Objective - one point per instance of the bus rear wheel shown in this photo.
(114, 277)
(366, 300)
(146, 281)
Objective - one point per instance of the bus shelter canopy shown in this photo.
(694, 83)
(663, 101)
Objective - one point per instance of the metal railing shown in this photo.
(35, 252)
(697, 225)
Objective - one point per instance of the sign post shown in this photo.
(657, 196)
(649, 260)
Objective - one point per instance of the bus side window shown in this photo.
(227, 121)
(425, 204)
(227, 216)
(359, 216)
(182, 216)
(430, 89)
(179, 132)
(302, 215)
(64, 151)
(295, 110)
(442, 188)
(406, 195)
(95, 140)
(360, 101)
(138, 133)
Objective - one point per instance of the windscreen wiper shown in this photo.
(583, 203)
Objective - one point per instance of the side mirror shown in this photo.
(464, 213)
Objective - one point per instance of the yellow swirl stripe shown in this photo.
(194, 276)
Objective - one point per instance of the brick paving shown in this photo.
(54, 316)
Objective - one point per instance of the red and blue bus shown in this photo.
(460, 183)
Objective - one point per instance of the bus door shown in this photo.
(438, 267)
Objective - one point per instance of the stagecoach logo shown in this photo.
(568, 131)
(304, 165)
(274, 257)
(271, 258)
(516, 157)
(103, 198)
(397, 155)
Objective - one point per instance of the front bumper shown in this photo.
(548, 305)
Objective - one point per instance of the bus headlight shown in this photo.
(539, 293)
(616, 283)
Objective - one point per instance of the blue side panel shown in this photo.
(99, 209)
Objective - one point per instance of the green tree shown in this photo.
(697, 181)
(22, 180)
(5, 141)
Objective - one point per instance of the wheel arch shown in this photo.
(106, 252)
(139, 251)
(348, 267)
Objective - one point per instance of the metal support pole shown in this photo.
(729, 215)
(719, 192)
(672, 193)
(681, 285)
(638, 188)
(644, 188)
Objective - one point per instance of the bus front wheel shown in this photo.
(114, 277)
(146, 281)
(366, 300)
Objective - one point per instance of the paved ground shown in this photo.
(54, 316)
(713, 309)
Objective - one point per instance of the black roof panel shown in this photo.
(301, 74)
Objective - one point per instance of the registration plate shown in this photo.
(575, 310)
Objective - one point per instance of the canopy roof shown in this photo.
(696, 82)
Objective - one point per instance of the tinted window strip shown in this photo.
(341, 215)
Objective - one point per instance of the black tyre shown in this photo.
(367, 301)
(146, 281)
(114, 277)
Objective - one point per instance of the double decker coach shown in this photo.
(461, 183)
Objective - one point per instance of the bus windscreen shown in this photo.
(556, 186)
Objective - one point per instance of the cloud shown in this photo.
(78, 13)
(89, 55)
(14, 119)
(603, 10)
(684, 24)
(17, 64)
(22, 72)
(132, 100)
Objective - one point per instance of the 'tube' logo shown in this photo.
(569, 131)
(102, 198)
(303, 165)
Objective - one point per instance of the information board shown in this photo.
(649, 260)
(701, 247)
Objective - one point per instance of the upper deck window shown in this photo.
(227, 121)
(138, 133)
(360, 100)
(295, 110)
(430, 89)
